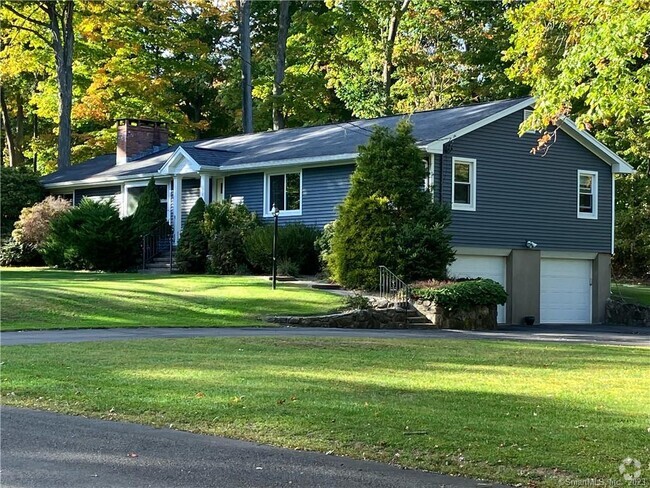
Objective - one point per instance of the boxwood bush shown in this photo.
(461, 295)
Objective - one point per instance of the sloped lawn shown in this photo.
(35, 298)
(536, 414)
(632, 293)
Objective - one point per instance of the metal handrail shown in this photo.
(157, 241)
(392, 288)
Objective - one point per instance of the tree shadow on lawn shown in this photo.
(147, 307)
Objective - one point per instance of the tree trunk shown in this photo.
(244, 7)
(20, 130)
(280, 65)
(63, 45)
(6, 124)
(387, 75)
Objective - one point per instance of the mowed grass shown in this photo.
(632, 293)
(36, 298)
(532, 413)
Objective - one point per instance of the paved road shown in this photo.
(586, 334)
(43, 449)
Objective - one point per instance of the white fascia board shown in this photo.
(101, 181)
(435, 147)
(618, 164)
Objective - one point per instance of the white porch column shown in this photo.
(205, 188)
(178, 193)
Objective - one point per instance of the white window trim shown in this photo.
(139, 184)
(471, 206)
(267, 186)
(527, 113)
(593, 215)
(429, 179)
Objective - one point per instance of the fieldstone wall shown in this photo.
(477, 318)
(621, 313)
(387, 318)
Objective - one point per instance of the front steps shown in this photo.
(415, 319)
(159, 265)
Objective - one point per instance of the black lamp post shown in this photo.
(275, 212)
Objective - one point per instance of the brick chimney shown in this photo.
(137, 138)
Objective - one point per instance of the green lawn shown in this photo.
(547, 414)
(35, 298)
(632, 293)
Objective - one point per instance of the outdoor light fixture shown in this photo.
(275, 212)
(531, 244)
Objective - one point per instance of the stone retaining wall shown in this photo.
(357, 319)
(477, 318)
(621, 313)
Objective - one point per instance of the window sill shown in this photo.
(587, 216)
(463, 206)
(284, 213)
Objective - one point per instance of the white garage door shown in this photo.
(565, 291)
(492, 267)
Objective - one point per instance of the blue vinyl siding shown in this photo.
(191, 191)
(323, 189)
(520, 196)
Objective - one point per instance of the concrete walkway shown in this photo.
(47, 450)
(581, 334)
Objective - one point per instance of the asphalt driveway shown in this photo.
(47, 450)
(585, 334)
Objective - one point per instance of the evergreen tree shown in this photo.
(388, 218)
(191, 254)
(149, 214)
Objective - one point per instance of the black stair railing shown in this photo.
(156, 243)
(392, 288)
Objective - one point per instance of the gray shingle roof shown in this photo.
(304, 142)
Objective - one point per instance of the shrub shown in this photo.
(19, 188)
(225, 215)
(149, 214)
(91, 236)
(192, 250)
(324, 245)
(357, 301)
(225, 225)
(388, 218)
(226, 252)
(286, 267)
(295, 243)
(33, 226)
(14, 253)
(462, 295)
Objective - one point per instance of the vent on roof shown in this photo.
(137, 138)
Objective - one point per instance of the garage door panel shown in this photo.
(491, 267)
(565, 291)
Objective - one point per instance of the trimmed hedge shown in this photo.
(462, 295)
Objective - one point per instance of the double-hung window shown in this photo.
(463, 187)
(285, 192)
(587, 194)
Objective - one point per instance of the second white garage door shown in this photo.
(565, 291)
(492, 267)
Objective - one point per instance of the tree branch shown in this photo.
(33, 31)
(25, 17)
